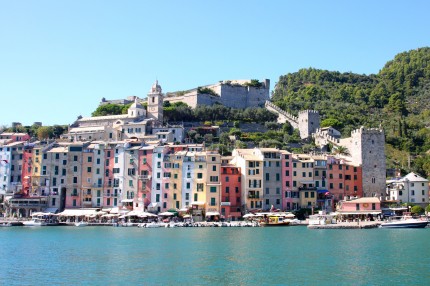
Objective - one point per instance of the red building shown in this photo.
(230, 192)
(344, 179)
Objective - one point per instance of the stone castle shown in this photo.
(366, 146)
(234, 94)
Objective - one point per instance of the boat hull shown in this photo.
(422, 224)
(275, 224)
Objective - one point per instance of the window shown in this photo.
(331, 186)
(267, 191)
(287, 173)
(196, 197)
(90, 159)
(213, 202)
(267, 177)
(188, 185)
(278, 177)
(214, 168)
(165, 195)
(227, 178)
(157, 198)
(213, 189)
(267, 202)
(75, 180)
(166, 185)
(199, 175)
(340, 186)
(312, 194)
(227, 190)
(89, 169)
(306, 194)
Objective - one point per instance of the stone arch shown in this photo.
(22, 213)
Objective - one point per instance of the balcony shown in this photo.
(252, 196)
(74, 195)
(109, 195)
(144, 177)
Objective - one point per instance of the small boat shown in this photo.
(321, 219)
(275, 221)
(405, 222)
(81, 223)
(5, 224)
(34, 222)
(42, 219)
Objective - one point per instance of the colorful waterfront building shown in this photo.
(251, 168)
(74, 192)
(290, 199)
(231, 186)
(145, 176)
(213, 183)
(110, 191)
(344, 179)
(303, 180)
(272, 177)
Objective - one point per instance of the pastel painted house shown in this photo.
(361, 206)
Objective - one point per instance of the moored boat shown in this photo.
(81, 223)
(275, 221)
(42, 219)
(405, 222)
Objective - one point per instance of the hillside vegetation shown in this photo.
(398, 97)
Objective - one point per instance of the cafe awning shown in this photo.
(197, 203)
(51, 210)
(373, 212)
(212, 213)
(77, 212)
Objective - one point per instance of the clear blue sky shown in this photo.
(59, 58)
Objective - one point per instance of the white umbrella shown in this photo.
(248, 215)
(166, 214)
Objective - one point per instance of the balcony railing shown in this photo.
(144, 177)
(250, 196)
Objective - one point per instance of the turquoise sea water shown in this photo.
(217, 256)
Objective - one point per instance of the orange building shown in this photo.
(344, 179)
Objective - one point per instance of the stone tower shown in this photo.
(367, 147)
(155, 103)
(308, 122)
(136, 110)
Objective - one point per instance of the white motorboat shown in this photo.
(321, 219)
(42, 219)
(81, 223)
(34, 222)
(405, 222)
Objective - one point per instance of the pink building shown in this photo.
(110, 195)
(363, 206)
(145, 175)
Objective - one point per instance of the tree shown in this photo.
(44, 132)
(417, 210)
(108, 109)
(341, 150)
(331, 122)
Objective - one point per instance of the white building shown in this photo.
(412, 188)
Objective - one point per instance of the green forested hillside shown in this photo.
(398, 97)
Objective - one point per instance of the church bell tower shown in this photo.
(155, 103)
